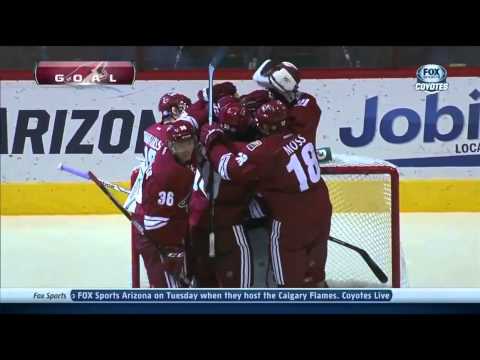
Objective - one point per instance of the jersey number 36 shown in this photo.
(165, 198)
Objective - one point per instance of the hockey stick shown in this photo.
(90, 176)
(211, 70)
(366, 257)
(163, 254)
(179, 278)
(84, 175)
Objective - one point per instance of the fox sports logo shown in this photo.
(431, 78)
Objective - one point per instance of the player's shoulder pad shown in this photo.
(305, 100)
(154, 127)
(273, 146)
(152, 136)
(258, 92)
(198, 109)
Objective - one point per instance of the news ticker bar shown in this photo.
(260, 296)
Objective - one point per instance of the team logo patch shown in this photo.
(241, 159)
(184, 202)
(253, 145)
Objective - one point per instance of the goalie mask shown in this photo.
(172, 105)
(181, 140)
(271, 117)
(282, 79)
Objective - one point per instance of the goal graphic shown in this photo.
(365, 197)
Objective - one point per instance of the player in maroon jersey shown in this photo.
(172, 106)
(253, 100)
(232, 265)
(197, 113)
(281, 82)
(284, 168)
(164, 194)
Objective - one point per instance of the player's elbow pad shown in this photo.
(154, 222)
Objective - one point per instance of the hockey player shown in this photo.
(197, 113)
(281, 82)
(172, 106)
(252, 101)
(232, 265)
(284, 168)
(164, 194)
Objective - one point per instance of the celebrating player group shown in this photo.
(256, 163)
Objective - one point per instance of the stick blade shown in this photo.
(374, 267)
(377, 271)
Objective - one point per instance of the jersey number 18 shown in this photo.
(310, 160)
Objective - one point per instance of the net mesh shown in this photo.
(362, 216)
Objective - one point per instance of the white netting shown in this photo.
(368, 230)
(362, 216)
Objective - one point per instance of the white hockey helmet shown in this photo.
(282, 78)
